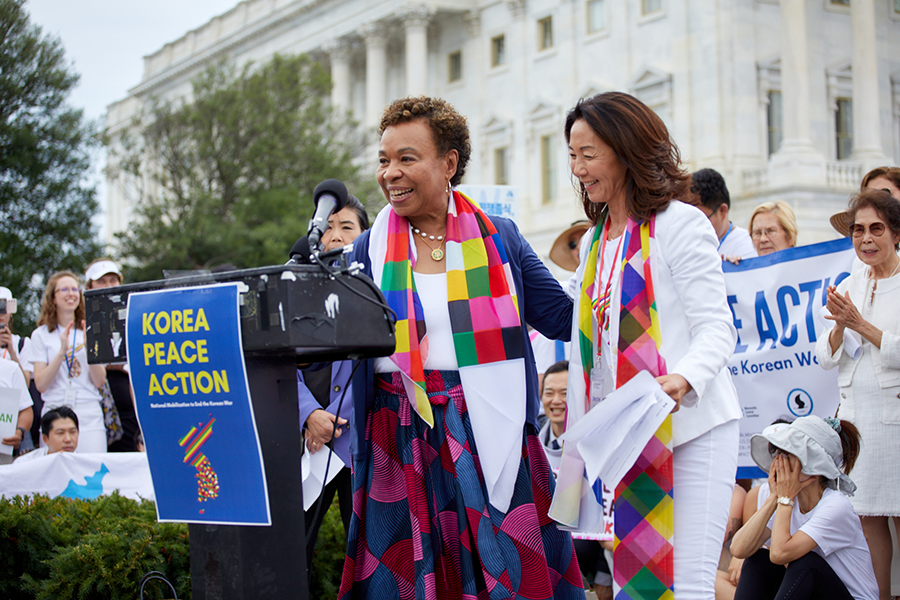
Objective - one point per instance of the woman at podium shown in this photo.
(451, 485)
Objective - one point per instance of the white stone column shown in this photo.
(795, 78)
(864, 61)
(415, 25)
(339, 52)
(376, 72)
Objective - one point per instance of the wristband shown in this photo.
(23, 432)
(785, 501)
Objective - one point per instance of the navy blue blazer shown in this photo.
(542, 304)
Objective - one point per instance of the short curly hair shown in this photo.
(709, 185)
(449, 129)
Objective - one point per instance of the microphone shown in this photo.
(300, 252)
(330, 196)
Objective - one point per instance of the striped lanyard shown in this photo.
(71, 363)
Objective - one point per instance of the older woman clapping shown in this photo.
(865, 344)
(652, 297)
(450, 483)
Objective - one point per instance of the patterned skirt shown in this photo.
(421, 526)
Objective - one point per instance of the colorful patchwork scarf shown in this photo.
(643, 558)
(484, 316)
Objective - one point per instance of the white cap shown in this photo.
(5, 294)
(101, 268)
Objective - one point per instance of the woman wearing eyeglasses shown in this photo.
(865, 345)
(773, 227)
(61, 370)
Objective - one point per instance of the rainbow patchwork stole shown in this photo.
(643, 555)
(484, 312)
(586, 317)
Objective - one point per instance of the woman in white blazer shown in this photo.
(865, 346)
(629, 172)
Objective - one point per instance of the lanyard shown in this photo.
(71, 363)
(727, 233)
(602, 303)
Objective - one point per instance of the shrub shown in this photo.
(65, 549)
(328, 558)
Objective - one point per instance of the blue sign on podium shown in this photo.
(193, 403)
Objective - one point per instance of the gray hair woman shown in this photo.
(865, 346)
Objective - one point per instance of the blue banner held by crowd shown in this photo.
(193, 404)
(777, 301)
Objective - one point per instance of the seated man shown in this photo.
(594, 567)
(59, 430)
(553, 399)
(11, 377)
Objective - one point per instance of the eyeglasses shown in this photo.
(67, 290)
(769, 233)
(774, 450)
(876, 229)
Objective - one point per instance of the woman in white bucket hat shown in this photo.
(816, 545)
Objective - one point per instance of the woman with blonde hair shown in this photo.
(61, 371)
(773, 227)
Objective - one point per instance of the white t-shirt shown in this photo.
(737, 242)
(835, 527)
(23, 353)
(44, 347)
(432, 290)
(11, 377)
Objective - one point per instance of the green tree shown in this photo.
(227, 178)
(45, 145)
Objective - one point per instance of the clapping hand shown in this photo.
(843, 312)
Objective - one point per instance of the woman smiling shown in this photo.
(864, 311)
(61, 370)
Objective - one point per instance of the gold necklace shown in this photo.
(436, 253)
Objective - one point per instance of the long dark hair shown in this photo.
(641, 141)
(850, 437)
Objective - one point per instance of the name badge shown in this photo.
(70, 396)
(598, 378)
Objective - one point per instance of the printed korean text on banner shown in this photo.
(194, 407)
(777, 302)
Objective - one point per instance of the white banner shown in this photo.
(494, 200)
(777, 301)
(75, 475)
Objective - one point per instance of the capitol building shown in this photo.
(792, 100)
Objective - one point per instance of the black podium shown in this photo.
(289, 315)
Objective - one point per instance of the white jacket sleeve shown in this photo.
(689, 247)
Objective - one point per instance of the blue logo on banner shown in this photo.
(193, 404)
(799, 402)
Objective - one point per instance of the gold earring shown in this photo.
(449, 189)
